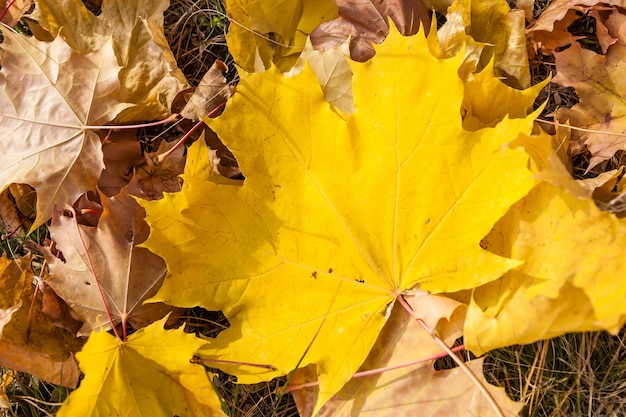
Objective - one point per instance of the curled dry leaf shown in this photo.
(122, 152)
(30, 342)
(600, 85)
(126, 274)
(499, 29)
(366, 22)
(49, 96)
(13, 10)
(154, 177)
(212, 91)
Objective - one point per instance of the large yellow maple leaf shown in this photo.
(338, 214)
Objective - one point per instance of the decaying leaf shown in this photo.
(148, 77)
(45, 139)
(13, 10)
(122, 152)
(363, 23)
(549, 32)
(30, 342)
(416, 390)
(126, 274)
(212, 91)
(602, 90)
(154, 177)
(149, 375)
(338, 214)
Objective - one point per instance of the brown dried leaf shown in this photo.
(14, 10)
(127, 274)
(45, 141)
(30, 342)
(148, 78)
(58, 310)
(366, 22)
(122, 152)
(155, 177)
(212, 91)
(12, 222)
(599, 83)
(549, 32)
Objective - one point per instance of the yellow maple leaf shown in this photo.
(338, 214)
(149, 374)
(255, 23)
(432, 392)
(488, 100)
(570, 280)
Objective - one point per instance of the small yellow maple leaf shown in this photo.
(257, 22)
(338, 214)
(149, 374)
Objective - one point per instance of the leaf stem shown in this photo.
(454, 356)
(171, 118)
(182, 140)
(288, 389)
(202, 361)
(580, 129)
(6, 9)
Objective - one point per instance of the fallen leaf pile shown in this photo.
(397, 194)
